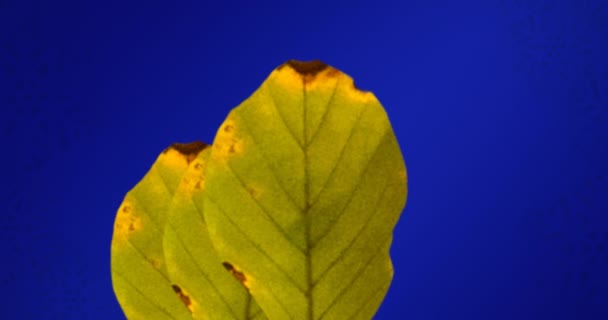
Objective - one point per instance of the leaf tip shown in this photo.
(316, 73)
(306, 68)
(188, 150)
(295, 73)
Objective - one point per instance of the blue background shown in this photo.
(500, 108)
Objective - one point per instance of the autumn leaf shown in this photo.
(139, 275)
(303, 188)
(207, 284)
(289, 215)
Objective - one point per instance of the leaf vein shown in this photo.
(366, 302)
(280, 116)
(307, 231)
(256, 313)
(264, 210)
(201, 271)
(145, 257)
(324, 117)
(342, 151)
(257, 247)
(356, 188)
(271, 167)
(352, 242)
(353, 280)
(126, 280)
(246, 314)
(142, 204)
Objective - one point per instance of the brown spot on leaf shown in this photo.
(156, 263)
(236, 273)
(306, 67)
(126, 221)
(183, 296)
(227, 142)
(232, 147)
(189, 150)
(252, 191)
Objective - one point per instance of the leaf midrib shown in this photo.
(309, 280)
(308, 202)
(141, 293)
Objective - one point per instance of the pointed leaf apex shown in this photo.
(306, 68)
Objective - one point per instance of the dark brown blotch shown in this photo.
(237, 274)
(306, 68)
(176, 288)
(182, 296)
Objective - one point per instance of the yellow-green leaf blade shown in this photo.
(139, 274)
(304, 186)
(214, 293)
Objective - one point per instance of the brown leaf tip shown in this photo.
(306, 68)
(189, 150)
